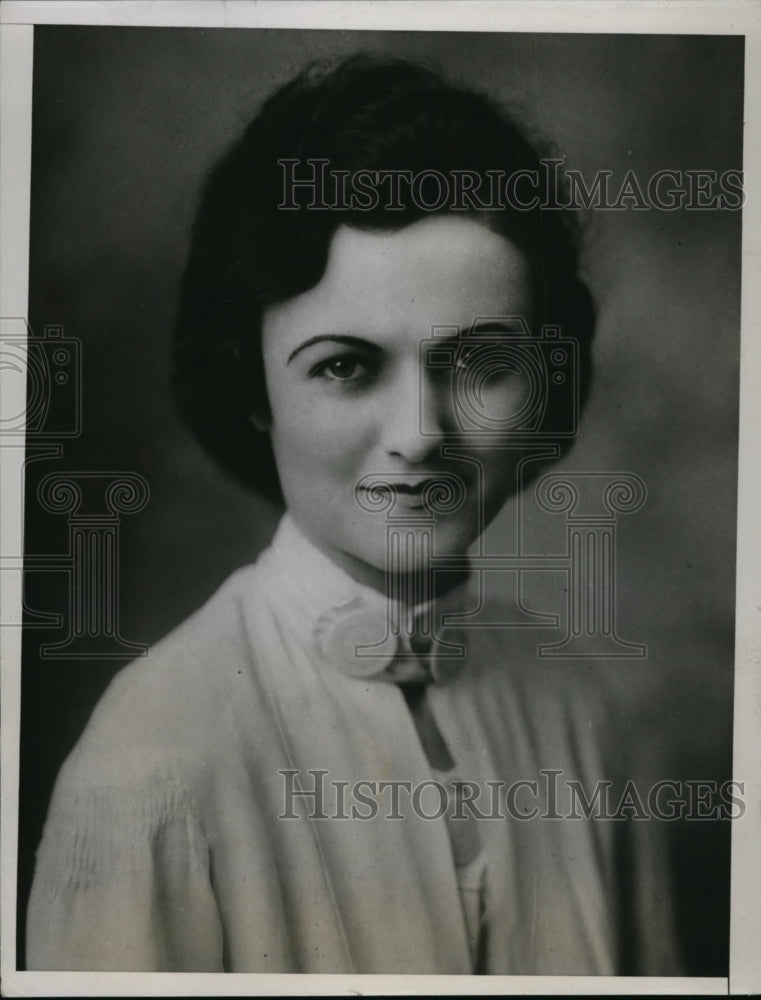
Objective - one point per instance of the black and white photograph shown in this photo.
(380, 553)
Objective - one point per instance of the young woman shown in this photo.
(327, 768)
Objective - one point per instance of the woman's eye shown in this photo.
(344, 368)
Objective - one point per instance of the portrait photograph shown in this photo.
(380, 465)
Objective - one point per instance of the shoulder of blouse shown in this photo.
(164, 715)
(515, 653)
(563, 702)
(127, 819)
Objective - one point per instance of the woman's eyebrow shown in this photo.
(336, 338)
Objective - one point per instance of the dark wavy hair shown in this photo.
(362, 113)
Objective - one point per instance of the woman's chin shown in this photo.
(402, 549)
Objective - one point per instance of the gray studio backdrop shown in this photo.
(126, 123)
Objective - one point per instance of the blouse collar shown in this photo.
(351, 625)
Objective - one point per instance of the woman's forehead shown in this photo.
(446, 270)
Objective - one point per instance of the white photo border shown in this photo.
(604, 16)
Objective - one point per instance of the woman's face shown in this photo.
(350, 396)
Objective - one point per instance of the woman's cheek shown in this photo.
(341, 436)
(329, 456)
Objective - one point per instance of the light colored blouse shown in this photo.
(177, 839)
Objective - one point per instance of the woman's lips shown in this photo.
(434, 492)
(416, 488)
(410, 494)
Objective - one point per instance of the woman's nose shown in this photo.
(417, 419)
